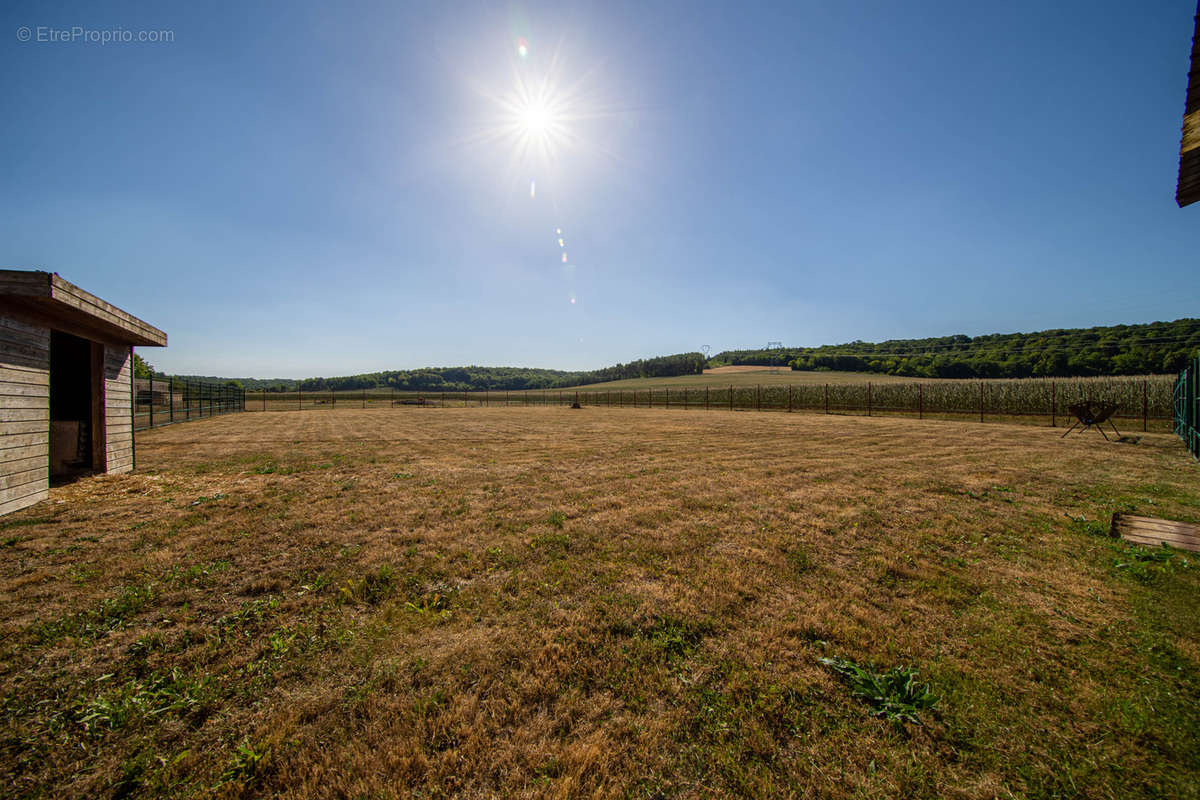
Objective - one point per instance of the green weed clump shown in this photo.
(1147, 565)
(372, 588)
(895, 695)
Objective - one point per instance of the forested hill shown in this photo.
(1157, 347)
(479, 378)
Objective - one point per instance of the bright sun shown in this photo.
(535, 119)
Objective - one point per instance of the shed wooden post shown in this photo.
(132, 426)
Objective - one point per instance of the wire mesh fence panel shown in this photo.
(1148, 401)
(1185, 407)
(165, 401)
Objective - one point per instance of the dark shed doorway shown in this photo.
(71, 405)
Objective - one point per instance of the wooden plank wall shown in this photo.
(118, 406)
(1188, 190)
(24, 414)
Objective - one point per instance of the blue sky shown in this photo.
(294, 190)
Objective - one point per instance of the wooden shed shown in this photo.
(66, 384)
(1187, 191)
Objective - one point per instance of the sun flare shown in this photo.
(543, 119)
(535, 119)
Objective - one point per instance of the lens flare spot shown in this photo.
(572, 301)
(558, 231)
(560, 243)
(564, 258)
(532, 189)
(523, 47)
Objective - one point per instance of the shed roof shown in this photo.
(47, 299)
(1188, 190)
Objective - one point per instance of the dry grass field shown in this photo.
(540, 602)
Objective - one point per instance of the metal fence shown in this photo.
(163, 401)
(1186, 406)
(1142, 402)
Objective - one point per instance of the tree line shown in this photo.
(1157, 347)
(475, 378)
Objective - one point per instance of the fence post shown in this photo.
(981, 401)
(827, 398)
(151, 399)
(685, 399)
(789, 398)
(299, 396)
(443, 404)
(1053, 421)
(706, 398)
(667, 404)
(364, 398)
(132, 410)
(264, 398)
(758, 397)
(171, 399)
(920, 401)
(868, 398)
(526, 397)
(731, 397)
(1145, 409)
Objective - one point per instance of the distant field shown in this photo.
(748, 376)
(744, 368)
(615, 603)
